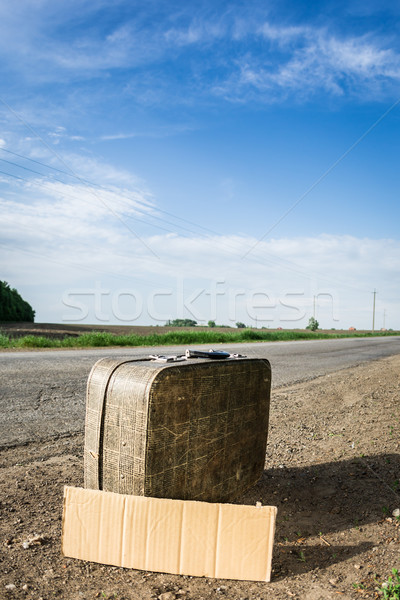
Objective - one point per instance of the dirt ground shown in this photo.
(332, 469)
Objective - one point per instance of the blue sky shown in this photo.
(234, 161)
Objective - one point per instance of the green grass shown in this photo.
(171, 338)
(391, 587)
(4, 341)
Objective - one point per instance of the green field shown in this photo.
(169, 338)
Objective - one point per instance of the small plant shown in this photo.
(385, 510)
(358, 586)
(302, 557)
(4, 340)
(391, 587)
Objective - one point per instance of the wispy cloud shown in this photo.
(232, 54)
(48, 223)
(282, 34)
(88, 204)
(197, 32)
(73, 243)
(306, 61)
(118, 136)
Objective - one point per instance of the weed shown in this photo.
(395, 485)
(385, 510)
(391, 587)
(4, 341)
(302, 556)
(358, 586)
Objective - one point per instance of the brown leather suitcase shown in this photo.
(177, 427)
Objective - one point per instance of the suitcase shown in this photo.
(177, 427)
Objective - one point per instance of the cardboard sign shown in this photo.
(226, 541)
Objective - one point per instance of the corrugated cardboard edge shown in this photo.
(225, 541)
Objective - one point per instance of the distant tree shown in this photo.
(211, 324)
(240, 325)
(182, 323)
(313, 324)
(12, 306)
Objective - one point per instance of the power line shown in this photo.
(261, 260)
(77, 176)
(324, 175)
(229, 248)
(373, 311)
(66, 195)
(296, 269)
(79, 267)
(111, 191)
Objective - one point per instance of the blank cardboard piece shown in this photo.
(225, 541)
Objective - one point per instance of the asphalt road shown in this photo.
(42, 394)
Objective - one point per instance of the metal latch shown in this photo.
(166, 359)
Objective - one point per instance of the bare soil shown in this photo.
(332, 469)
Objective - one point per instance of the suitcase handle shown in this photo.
(214, 354)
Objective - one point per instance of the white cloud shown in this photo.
(67, 240)
(283, 34)
(198, 32)
(306, 60)
(118, 136)
(238, 57)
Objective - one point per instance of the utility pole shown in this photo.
(314, 308)
(373, 312)
(384, 318)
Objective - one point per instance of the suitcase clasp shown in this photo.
(165, 359)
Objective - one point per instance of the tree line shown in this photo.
(12, 306)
